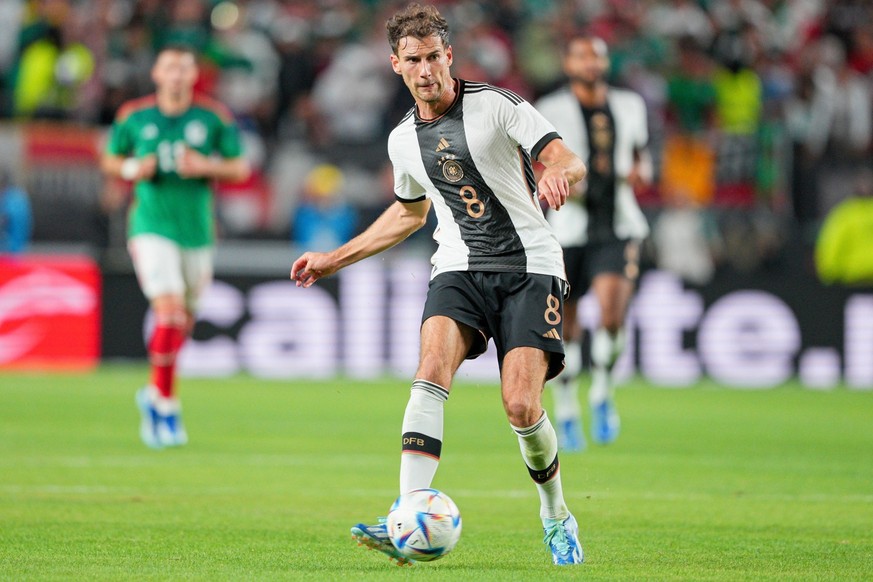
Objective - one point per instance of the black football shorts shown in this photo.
(583, 263)
(515, 309)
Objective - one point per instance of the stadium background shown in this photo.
(760, 117)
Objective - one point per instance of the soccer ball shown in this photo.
(424, 524)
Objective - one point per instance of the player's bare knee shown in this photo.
(521, 412)
(611, 325)
(433, 368)
(175, 315)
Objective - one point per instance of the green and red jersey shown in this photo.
(177, 208)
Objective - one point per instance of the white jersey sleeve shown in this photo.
(406, 187)
(524, 124)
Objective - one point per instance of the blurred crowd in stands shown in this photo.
(759, 110)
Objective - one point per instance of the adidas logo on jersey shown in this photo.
(552, 334)
(444, 143)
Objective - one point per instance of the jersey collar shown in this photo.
(459, 92)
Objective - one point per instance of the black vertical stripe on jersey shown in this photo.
(493, 243)
(529, 177)
(601, 189)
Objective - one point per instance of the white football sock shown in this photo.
(565, 388)
(572, 360)
(422, 435)
(605, 350)
(606, 347)
(539, 449)
(565, 393)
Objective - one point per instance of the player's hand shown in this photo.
(148, 165)
(192, 164)
(311, 267)
(554, 187)
(638, 179)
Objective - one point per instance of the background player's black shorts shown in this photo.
(516, 309)
(586, 262)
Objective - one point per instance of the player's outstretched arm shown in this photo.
(563, 169)
(395, 224)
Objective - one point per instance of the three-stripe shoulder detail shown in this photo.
(474, 87)
(406, 116)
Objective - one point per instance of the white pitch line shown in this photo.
(156, 459)
(640, 495)
(810, 497)
(50, 489)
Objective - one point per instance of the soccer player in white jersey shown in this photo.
(600, 230)
(466, 150)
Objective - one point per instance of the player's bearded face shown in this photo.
(586, 61)
(424, 65)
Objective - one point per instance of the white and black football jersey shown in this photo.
(474, 163)
(606, 139)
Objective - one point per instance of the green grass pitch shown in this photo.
(703, 484)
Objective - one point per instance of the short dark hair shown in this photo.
(417, 21)
(584, 36)
(178, 47)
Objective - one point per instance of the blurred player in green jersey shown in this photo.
(172, 145)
